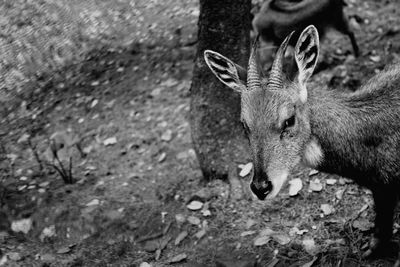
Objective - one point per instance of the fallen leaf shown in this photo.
(14, 256)
(3, 260)
(296, 231)
(363, 225)
(339, 194)
(178, 258)
(309, 246)
(375, 58)
(48, 232)
(247, 233)
(206, 213)
(63, 250)
(327, 209)
(24, 138)
(110, 141)
(151, 245)
(281, 238)
(162, 157)
(261, 240)
(167, 136)
(310, 263)
(263, 237)
(180, 218)
(273, 262)
(250, 223)
(331, 181)
(170, 82)
(295, 186)
(315, 185)
(94, 202)
(193, 220)
(180, 237)
(200, 234)
(195, 205)
(245, 169)
(23, 225)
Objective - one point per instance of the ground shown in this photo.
(127, 105)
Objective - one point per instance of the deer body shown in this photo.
(355, 135)
(278, 18)
(359, 133)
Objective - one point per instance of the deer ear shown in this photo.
(306, 56)
(229, 73)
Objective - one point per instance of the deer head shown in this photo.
(274, 111)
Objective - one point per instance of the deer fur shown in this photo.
(277, 18)
(355, 135)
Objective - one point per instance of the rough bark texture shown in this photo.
(215, 109)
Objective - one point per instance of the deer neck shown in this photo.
(331, 147)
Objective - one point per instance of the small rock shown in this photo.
(145, 264)
(313, 172)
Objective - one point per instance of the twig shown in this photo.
(35, 154)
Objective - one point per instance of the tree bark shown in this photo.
(218, 138)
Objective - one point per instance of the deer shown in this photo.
(277, 18)
(354, 135)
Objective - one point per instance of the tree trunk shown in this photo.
(217, 135)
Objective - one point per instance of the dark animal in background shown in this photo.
(277, 18)
(355, 135)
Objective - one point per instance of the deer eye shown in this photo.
(289, 122)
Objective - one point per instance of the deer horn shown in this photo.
(275, 76)
(253, 75)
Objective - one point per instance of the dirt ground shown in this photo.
(127, 105)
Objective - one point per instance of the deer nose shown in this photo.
(261, 185)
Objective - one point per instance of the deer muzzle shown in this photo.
(261, 186)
